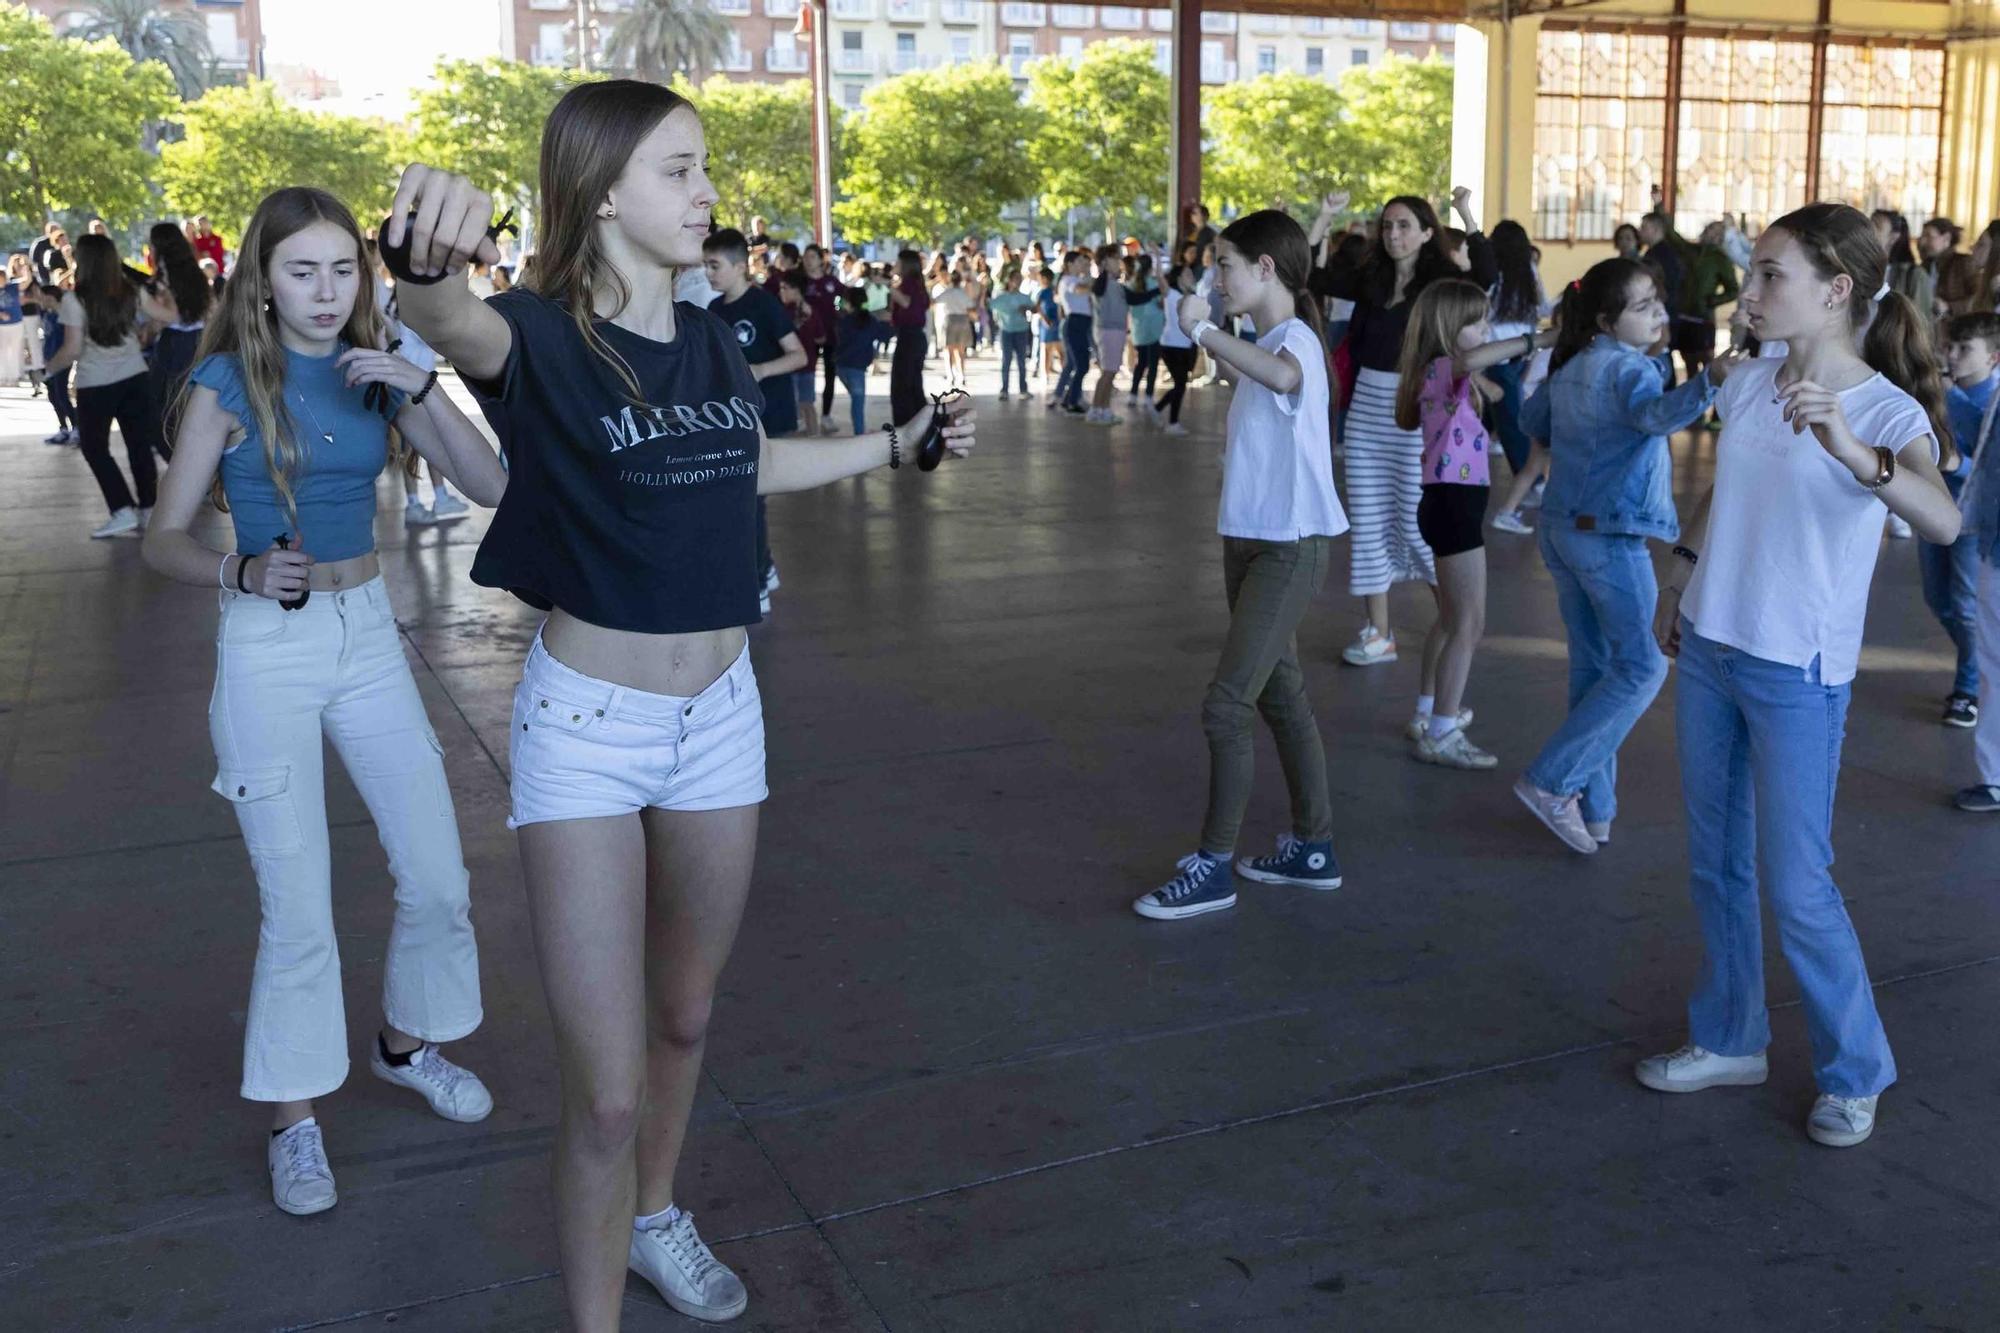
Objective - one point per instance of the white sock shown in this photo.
(1426, 705)
(1442, 727)
(665, 1217)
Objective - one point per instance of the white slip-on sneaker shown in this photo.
(1692, 1069)
(301, 1181)
(1454, 749)
(1562, 814)
(124, 523)
(453, 1092)
(447, 508)
(685, 1273)
(417, 514)
(1841, 1122)
(1175, 428)
(1420, 724)
(1599, 830)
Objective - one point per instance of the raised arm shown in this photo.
(1279, 372)
(445, 219)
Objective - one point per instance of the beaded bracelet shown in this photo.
(429, 384)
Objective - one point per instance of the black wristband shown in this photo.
(429, 383)
(242, 568)
(1684, 553)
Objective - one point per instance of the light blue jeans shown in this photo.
(855, 380)
(1760, 757)
(1605, 590)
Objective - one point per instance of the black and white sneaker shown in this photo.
(1980, 798)
(678, 1263)
(1203, 885)
(1961, 710)
(453, 1092)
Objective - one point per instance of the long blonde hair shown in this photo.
(585, 145)
(244, 325)
(1442, 311)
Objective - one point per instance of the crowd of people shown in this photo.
(651, 376)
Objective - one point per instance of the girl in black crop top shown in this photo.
(636, 457)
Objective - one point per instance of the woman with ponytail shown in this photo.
(1763, 608)
(287, 416)
(1278, 520)
(1384, 461)
(1603, 417)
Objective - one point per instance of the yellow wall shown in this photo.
(1969, 191)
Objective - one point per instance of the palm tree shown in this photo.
(177, 39)
(657, 39)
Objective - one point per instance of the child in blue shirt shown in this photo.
(1969, 569)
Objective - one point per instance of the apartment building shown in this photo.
(235, 30)
(871, 40)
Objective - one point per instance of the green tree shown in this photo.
(243, 143)
(758, 136)
(935, 152)
(1398, 115)
(1102, 137)
(483, 120)
(72, 122)
(657, 39)
(176, 39)
(1277, 138)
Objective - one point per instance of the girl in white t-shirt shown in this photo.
(1279, 517)
(1763, 609)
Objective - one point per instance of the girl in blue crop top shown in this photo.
(288, 416)
(636, 456)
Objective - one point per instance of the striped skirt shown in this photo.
(1384, 483)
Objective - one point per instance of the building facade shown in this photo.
(872, 40)
(235, 31)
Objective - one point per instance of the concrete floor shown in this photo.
(954, 1083)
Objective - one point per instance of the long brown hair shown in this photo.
(1895, 337)
(174, 259)
(1269, 232)
(1594, 302)
(1442, 311)
(244, 325)
(585, 145)
(110, 301)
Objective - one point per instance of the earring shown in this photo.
(608, 214)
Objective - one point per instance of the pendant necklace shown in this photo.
(323, 432)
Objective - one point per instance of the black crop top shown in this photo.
(632, 517)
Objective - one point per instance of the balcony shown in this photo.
(1217, 22)
(960, 11)
(903, 62)
(1073, 16)
(785, 60)
(909, 11)
(730, 6)
(1160, 20)
(1270, 23)
(781, 9)
(860, 11)
(549, 57)
(736, 62)
(854, 62)
(1218, 71)
(1026, 16)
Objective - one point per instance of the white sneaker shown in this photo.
(1562, 814)
(1533, 499)
(771, 583)
(1110, 418)
(1372, 649)
(1692, 1069)
(830, 428)
(1420, 724)
(453, 1092)
(1841, 1122)
(301, 1181)
(688, 1277)
(1175, 428)
(1509, 520)
(145, 516)
(448, 508)
(1454, 749)
(60, 437)
(1899, 528)
(416, 512)
(764, 603)
(124, 523)
(1599, 830)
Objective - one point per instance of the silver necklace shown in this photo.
(324, 433)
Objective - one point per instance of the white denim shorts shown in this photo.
(583, 748)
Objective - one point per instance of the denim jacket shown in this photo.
(1606, 416)
(1978, 478)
